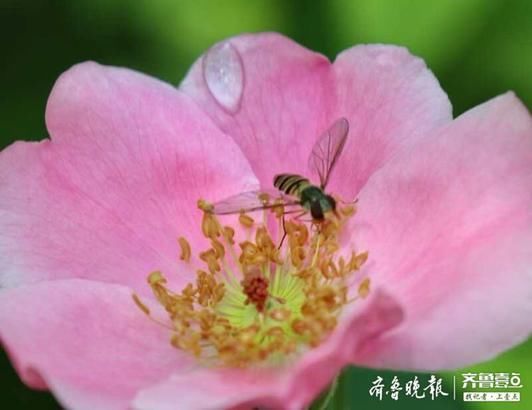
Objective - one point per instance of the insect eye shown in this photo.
(332, 201)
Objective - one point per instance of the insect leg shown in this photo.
(298, 217)
(300, 214)
(284, 234)
(347, 202)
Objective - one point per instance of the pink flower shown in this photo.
(444, 211)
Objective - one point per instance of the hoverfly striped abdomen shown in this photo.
(293, 189)
(291, 184)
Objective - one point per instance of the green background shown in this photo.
(476, 48)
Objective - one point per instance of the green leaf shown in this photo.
(436, 30)
(516, 360)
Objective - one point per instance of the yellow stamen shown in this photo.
(363, 288)
(229, 234)
(246, 220)
(357, 261)
(219, 249)
(348, 211)
(141, 305)
(185, 249)
(210, 226)
(264, 302)
(204, 205)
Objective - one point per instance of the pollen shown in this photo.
(258, 298)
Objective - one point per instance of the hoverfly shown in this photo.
(296, 190)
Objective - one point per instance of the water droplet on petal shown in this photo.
(224, 75)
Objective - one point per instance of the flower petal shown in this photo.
(109, 195)
(86, 341)
(391, 100)
(448, 226)
(275, 98)
(286, 388)
(286, 100)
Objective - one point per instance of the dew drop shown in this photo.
(224, 75)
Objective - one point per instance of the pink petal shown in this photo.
(286, 100)
(448, 226)
(275, 98)
(391, 100)
(108, 197)
(86, 341)
(292, 387)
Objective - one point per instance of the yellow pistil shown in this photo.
(255, 302)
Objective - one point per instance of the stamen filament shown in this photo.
(315, 258)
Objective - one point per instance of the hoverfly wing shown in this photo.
(253, 201)
(327, 150)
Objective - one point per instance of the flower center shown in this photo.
(259, 302)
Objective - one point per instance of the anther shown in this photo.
(299, 326)
(218, 248)
(210, 226)
(264, 241)
(264, 197)
(185, 249)
(251, 254)
(156, 278)
(209, 256)
(357, 261)
(204, 205)
(280, 314)
(297, 256)
(141, 305)
(363, 288)
(348, 211)
(229, 234)
(246, 220)
(275, 331)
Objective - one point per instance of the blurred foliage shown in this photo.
(476, 48)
